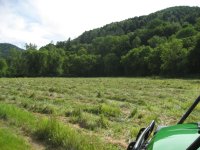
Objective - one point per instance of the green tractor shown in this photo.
(182, 136)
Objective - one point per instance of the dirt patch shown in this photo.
(120, 143)
(35, 144)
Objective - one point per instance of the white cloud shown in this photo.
(41, 21)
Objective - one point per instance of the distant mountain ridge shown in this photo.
(5, 48)
(178, 14)
(165, 43)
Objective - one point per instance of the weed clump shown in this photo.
(11, 141)
(33, 95)
(92, 109)
(74, 112)
(133, 113)
(2, 98)
(134, 131)
(99, 95)
(109, 111)
(46, 109)
(52, 89)
(3, 116)
(56, 134)
(60, 136)
(104, 109)
(103, 122)
(84, 120)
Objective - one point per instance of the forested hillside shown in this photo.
(5, 49)
(166, 42)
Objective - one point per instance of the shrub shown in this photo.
(110, 111)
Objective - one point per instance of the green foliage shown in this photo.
(194, 57)
(103, 122)
(3, 67)
(136, 42)
(10, 141)
(81, 65)
(111, 64)
(124, 104)
(154, 61)
(6, 48)
(156, 41)
(174, 58)
(86, 120)
(30, 46)
(109, 110)
(41, 109)
(50, 130)
(186, 32)
(137, 46)
(61, 136)
(135, 61)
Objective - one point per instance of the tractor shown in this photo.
(182, 136)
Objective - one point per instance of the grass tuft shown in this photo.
(133, 113)
(10, 141)
(109, 110)
(56, 134)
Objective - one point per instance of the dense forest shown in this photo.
(165, 43)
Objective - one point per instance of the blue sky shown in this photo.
(43, 21)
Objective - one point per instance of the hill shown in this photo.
(171, 20)
(143, 45)
(165, 43)
(5, 49)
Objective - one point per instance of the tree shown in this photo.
(156, 40)
(186, 32)
(14, 63)
(3, 67)
(135, 61)
(197, 25)
(154, 61)
(111, 65)
(171, 28)
(136, 42)
(31, 63)
(194, 57)
(30, 46)
(174, 58)
(64, 45)
(81, 65)
(55, 62)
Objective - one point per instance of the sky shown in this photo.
(43, 21)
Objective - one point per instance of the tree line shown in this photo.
(163, 43)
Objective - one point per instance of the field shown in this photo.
(88, 113)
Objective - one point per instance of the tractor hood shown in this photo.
(177, 137)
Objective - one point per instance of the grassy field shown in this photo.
(88, 113)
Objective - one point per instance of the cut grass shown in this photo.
(113, 108)
(86, 120)
(53, 132)
(11, 141)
